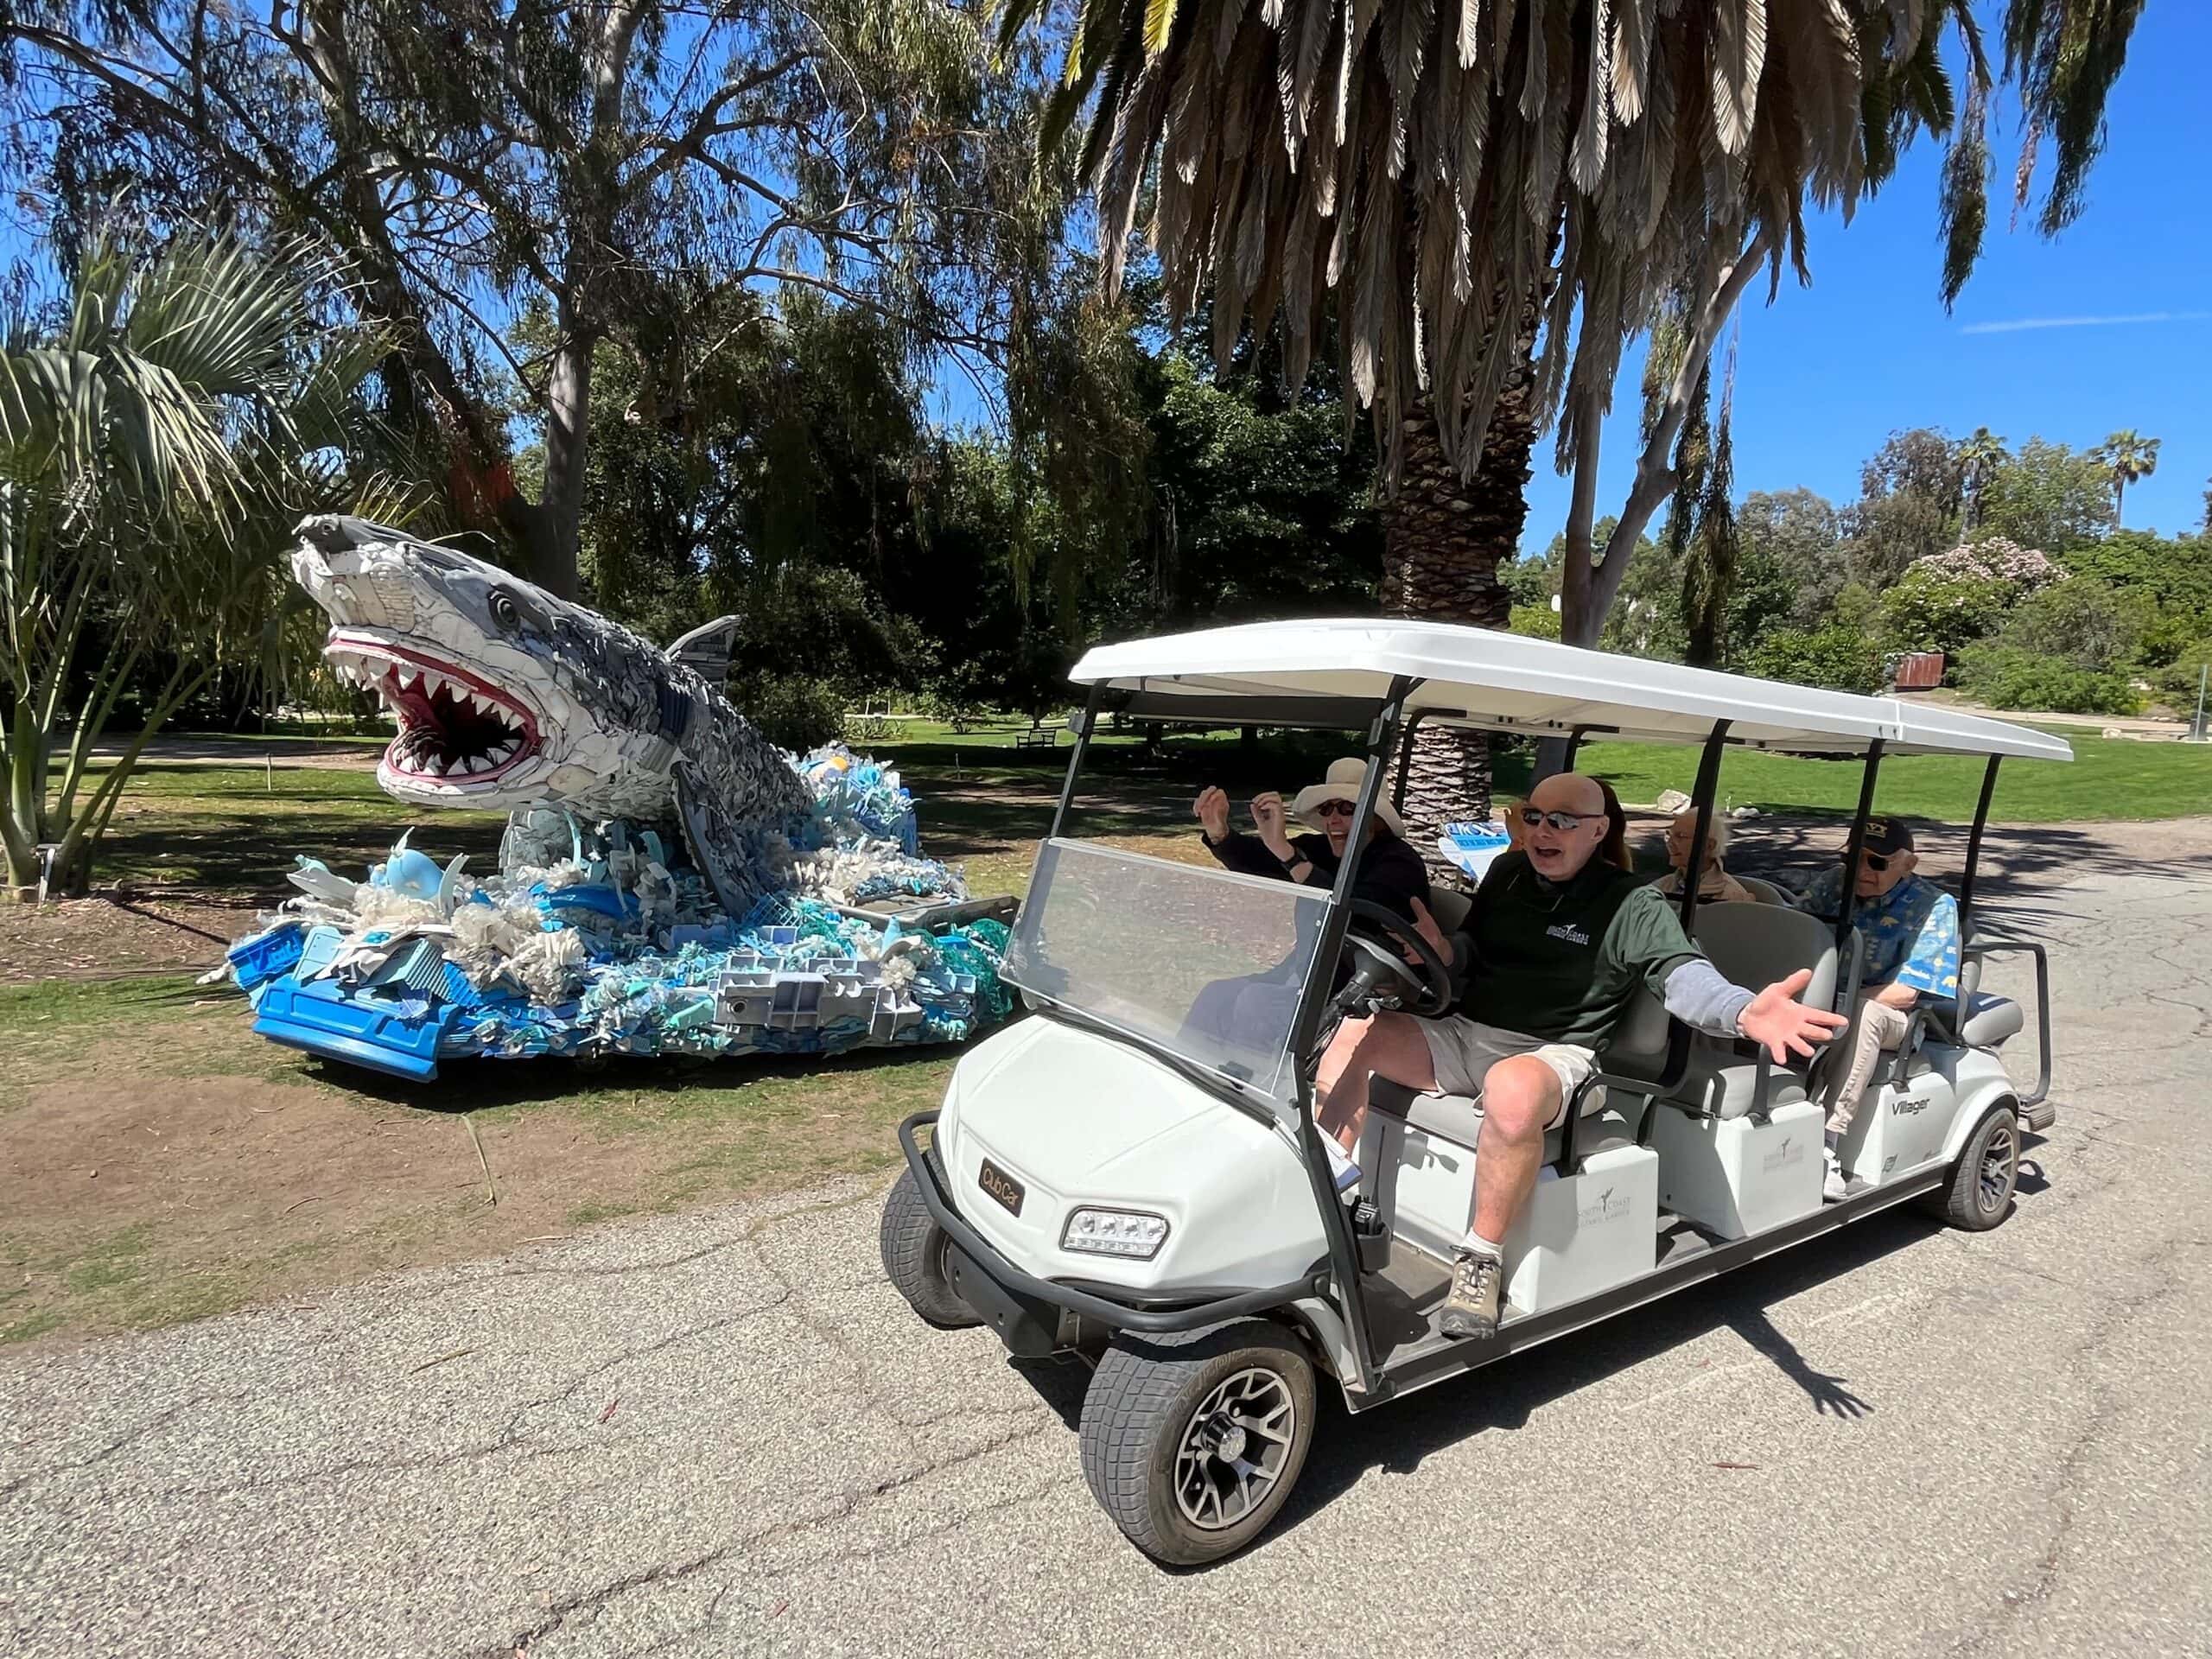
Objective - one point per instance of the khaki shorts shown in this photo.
(1463, 1050)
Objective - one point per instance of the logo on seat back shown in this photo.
(1568, 931)
(1791, 1151)
(1908, 1106)
(1603, 1208)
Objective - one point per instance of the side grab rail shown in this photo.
(1648, 1089)
(2000, 947)
(1117, 1316)
(1762, 1106)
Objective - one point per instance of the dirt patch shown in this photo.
(184, 1166)
(110, 935)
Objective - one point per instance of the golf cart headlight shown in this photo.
(1114, 1232)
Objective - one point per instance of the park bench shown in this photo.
(1042, 735)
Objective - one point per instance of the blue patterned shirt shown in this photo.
(1911, 932)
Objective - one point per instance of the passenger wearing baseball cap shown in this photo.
(1910, 927)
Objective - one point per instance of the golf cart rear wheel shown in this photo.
(913, 1256)
(1191, 1442)
(1980, 1194)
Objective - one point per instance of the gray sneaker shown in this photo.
(1834, 1188)
(1470, 1310)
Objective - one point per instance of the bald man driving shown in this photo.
(1562, 940)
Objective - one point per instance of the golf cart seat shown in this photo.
(1765, 892)
(1754, 944)
(1637, 1047)
(1990, 1020)
(1451, 907)
(1459, 1118)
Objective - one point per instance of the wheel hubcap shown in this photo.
(1997, 1167)
(1234, 1449)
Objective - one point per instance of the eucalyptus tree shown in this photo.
(164, 422)
(1502, 193)
(615, 168)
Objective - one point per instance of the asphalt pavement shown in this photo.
(724, 1433)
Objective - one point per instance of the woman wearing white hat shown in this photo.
(1390, 872)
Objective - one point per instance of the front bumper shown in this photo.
(1026, 1311)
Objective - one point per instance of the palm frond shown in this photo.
(1473, 175)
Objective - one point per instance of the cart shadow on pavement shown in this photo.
(1396, 1438)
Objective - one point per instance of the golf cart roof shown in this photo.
(1332, 672)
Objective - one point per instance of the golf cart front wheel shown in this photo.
(1980, 1193)
(913, 1257)
(1191, 1442)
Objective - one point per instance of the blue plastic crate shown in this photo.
(265, 956)
(327, 1019)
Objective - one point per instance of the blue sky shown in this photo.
(1827, 372)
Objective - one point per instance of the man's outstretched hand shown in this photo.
(1777, 1020)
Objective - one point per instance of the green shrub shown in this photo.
(1839, 657)
(2082, 623)
(2177, 680)
(1536, 621)
(2009, 677)
(798, 711)
(1930, 612)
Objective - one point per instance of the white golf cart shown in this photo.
(1134, 1174)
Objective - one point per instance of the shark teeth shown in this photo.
(451, 732)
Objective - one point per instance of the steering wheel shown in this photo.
(1377, 972)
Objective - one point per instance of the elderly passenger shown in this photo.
(1715, 884)
(1910, 927)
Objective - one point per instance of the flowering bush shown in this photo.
(1946, 600)
(2024, 568)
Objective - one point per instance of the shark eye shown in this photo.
(505, 611)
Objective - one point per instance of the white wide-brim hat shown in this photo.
(1342, 783)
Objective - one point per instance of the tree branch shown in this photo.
(1655, 476)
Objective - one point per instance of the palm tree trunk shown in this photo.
(1443, 540)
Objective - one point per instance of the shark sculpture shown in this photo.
(589, 940)
(505, 696)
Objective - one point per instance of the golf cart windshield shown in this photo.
(1202, 963)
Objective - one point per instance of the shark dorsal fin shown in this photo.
(706, 649)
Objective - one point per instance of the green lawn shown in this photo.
(983, 801)
(238, 828)
(2109, 778)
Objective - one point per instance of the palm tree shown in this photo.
(161, 428)
(2129, 457)
(1979, 458)
(1501, 195)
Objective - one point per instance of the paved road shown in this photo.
(722, 1433)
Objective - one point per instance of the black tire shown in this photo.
(1153, 1395)
(913, 1256)
(1980, 1193)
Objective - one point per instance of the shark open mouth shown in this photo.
(454, 728)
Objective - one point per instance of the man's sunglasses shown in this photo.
(1876, 862)
(1334, 810)
(1561, 822)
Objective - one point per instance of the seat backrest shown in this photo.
(1451, 908)
(1754, 946)
(1765, 892)
(1637, 1045)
